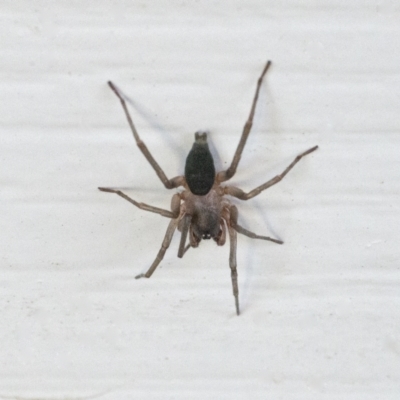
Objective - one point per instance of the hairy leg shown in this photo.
(252, 235)
(240, 194)
(185, 229)
(165, 213)
(168, 183)
(233, 265)
(225, 175)
(165, 244)
(234, 214)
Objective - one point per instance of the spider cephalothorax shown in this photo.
(203, 201)
(199, 167)
(201, 210)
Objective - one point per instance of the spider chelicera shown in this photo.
(201, 210)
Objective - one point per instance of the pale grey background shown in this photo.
(320, 315)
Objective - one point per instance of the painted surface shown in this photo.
(320, 314)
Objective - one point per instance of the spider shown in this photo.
(201, 210)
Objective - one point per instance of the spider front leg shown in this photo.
(165, 244)
(175, 207)
(168, 183)
(225, 175)
(240, 194)
(186, 220)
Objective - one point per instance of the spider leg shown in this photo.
(168, 183)
(234, 214)
(225, 175)
(233, 265)
(240, 194)
(165, 244)
(252, 235)
(222, 238)
(185, 229)
(188, 246)
(165, 213)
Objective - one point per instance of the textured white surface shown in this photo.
(320, 315)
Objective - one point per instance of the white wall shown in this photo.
(320, 315)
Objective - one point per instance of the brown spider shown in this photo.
(201, 210)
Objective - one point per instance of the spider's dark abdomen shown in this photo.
(199, 167)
